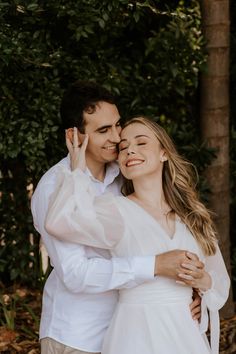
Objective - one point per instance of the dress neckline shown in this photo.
(170, 237)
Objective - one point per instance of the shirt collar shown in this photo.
(112, 171)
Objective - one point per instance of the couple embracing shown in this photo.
(128, 249)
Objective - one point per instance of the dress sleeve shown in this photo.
(214, 298)
(217, 295)
(77, 271)
(77, 215)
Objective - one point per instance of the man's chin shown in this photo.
(111, 158)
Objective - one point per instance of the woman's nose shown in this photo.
(130, 150)
(130, 153)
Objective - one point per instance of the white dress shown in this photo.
(152, 318)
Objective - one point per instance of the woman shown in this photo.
(161, 212)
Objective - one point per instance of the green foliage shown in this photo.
(8, 310)
(19, 303)
(149, 54)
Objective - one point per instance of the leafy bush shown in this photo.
(147, 54)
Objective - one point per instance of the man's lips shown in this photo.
(134, 162)
(110, 148)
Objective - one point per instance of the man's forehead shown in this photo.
(99, 125)
(102, 117)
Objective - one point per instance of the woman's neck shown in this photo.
(149, 191)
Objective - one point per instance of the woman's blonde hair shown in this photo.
(179, 189)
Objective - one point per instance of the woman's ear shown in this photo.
(163, 156)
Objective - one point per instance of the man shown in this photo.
(81, 292)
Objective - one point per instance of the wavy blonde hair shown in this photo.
(179, 189)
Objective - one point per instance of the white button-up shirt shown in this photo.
(81, 293)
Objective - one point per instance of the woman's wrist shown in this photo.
(206, 282)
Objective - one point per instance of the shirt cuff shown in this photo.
(144, 268)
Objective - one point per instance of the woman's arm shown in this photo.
(216, 296)
(212, 281)
(76, 215)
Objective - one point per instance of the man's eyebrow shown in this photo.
(137, 136)
(107, 126)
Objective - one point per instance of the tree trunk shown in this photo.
(215, 119)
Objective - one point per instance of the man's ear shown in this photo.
(70, 133)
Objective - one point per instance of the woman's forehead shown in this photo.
(136, 129)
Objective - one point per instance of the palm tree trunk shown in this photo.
(215, 119)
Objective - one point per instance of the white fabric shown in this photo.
(78, 300)
(152, 318)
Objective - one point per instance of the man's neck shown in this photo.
(98, 170)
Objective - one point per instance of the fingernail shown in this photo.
(180, 282)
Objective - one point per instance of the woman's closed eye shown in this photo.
(122, 147)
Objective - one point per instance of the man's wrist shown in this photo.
(157, 267)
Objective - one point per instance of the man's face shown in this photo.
(103, 128)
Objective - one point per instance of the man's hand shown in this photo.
(195, 306)
(76, 149)
(171, 264)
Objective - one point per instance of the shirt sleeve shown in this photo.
(71, 263)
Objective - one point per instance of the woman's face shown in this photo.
(140, 152)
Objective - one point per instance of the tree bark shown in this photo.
(215, 119)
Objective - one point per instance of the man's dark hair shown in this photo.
(82, 96)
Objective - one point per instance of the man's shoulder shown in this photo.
(49, 176)
(48, 181)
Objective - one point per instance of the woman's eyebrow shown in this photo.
(141, 135)
(137, 136)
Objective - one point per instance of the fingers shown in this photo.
(195, 308)
(85, 143)
(68, 141)
(75, 138)
(191, 275)
(185, 276)
(195, 260)
(195, 304)
(193, 271)
(192, 256)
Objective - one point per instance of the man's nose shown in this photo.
(115, 138)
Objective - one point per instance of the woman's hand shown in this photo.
(195, 277)
(77, 150)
